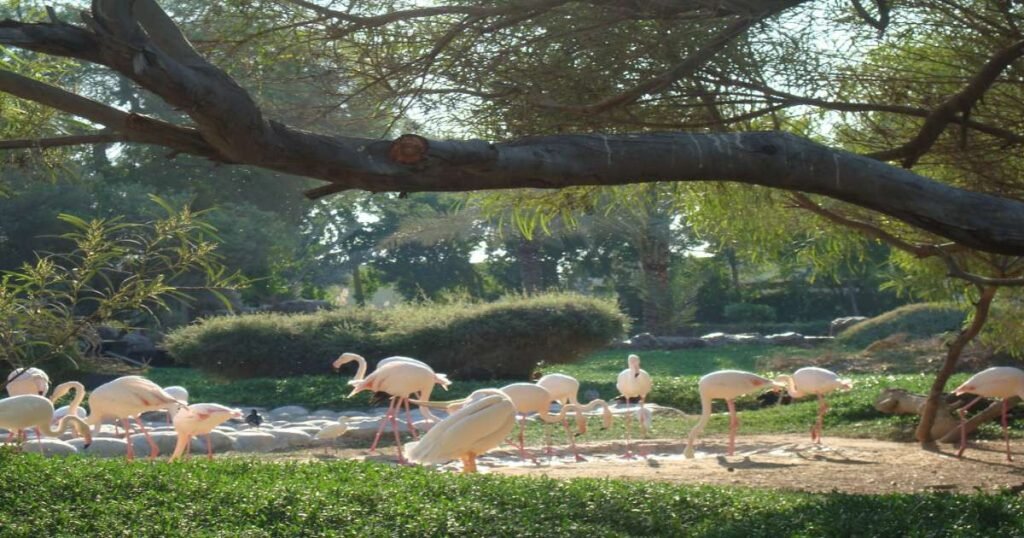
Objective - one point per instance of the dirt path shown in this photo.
(768, 461)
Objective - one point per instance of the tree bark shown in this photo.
(981, 309)
(140, 41)
(992, 412)
(357, 286)
(530, 272)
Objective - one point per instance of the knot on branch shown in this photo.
(408, 149)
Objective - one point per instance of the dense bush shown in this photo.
(739, 312)
(917, 320)
(505, 339)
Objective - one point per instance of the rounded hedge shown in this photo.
(917, 320)
(505, 339)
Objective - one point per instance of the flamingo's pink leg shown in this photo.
(572, 441)
(734, 424)
(154, 450)
(209, 447)
(522, 441)
(398, 437)
(822, 409)
(1006, 433)
(39, 435)
(408, 419)
(643, 427)
(129, 450)
(383, 422)
(963, 422)
(629, 420)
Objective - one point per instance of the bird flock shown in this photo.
(474, 425)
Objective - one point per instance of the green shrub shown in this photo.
(505, 339)
(917, 320)
(749, 312)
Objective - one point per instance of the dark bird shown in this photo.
(254, 419)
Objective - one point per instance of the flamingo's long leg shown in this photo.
(822, 409)
(572, 440)
(129, 450)
(383, 422)
(39, 435)
(963, 423)
(398, 437)
(209, 447)
(408, 419)
(629, 422)
(734, 424)
(1006, 429)
(154, 450)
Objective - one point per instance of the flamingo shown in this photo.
(813, 380)
(128, 397)
(42, 382)
(727, 385)
(199, 419)
(531, 398)
(178, 393)
(472, 430)
(346, 358)
(399, 379)
(28, 381)
(564, 390)
(24, 411)
(634, 382)
(997, 382)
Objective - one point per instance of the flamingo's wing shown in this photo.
(474, 428)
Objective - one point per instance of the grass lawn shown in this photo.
(237, 497)
(675, 384)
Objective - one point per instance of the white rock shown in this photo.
(101, 447)
(289, 411)
(252, 441)
(291, 437)
(51, 447)
(165, 441)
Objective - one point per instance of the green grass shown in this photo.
(247, 498)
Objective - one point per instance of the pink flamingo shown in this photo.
(998, 382)
(634, 382)
(24, 411)
(28, 381)
(813, 380)
(565, 389)
(346, 358)
(472, 430)
(727, 385)
(400, 379)
(200, 419)
(128, 397)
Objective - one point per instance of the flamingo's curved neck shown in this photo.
(63, 389)
(65, 422)
(361, 372)
(790, 386)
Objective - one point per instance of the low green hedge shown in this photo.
(917, 320)
(505, 339)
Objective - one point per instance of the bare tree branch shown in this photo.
(58, 141)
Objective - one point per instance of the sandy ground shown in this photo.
(764, 461)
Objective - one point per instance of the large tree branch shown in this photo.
(230, 126)
(960, 103)
(59, 141)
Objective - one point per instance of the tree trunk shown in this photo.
(530, 271)
(852, 292)
(357, 286)
(992, 412)
(657, 293)
(981, 309)
(734, 268)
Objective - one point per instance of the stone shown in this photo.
(680, 342)
(252, 441)
(292, 411)
(102, 447)
(165, 442)
(644, 341)
(51, 447)
(785, 339)
(839, 325)
(222, 442)
(291, 437)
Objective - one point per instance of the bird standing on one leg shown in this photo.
(818, 381)
(633, 382)
(998, 382)
(727, 385)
